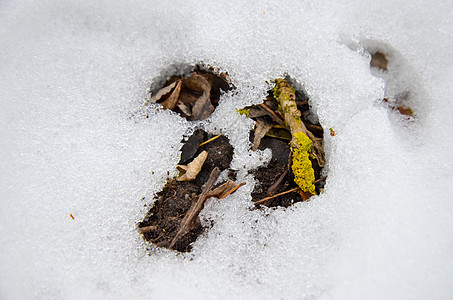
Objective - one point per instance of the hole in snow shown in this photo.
(404, 92)
(173, 220)
(193, 92)
(285, 124)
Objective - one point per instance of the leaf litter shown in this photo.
(195, 95)
(282, 123)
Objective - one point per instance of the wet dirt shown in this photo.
(163, 220)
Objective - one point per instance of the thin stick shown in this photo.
(210, 140)
(233, 190)
(320, 179)
(285, 192)
(274, 115)
(276, 195)
(196, 207)
(272, 189)
(147, 229)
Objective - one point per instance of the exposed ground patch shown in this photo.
(276, 183)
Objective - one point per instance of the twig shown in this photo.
(274, 187)
(320, 179)
(273, 115)
(196, 207)
(147, 229)
(232, 190)
(210, 140)
(276, 195)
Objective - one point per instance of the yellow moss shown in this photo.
(245, 112)
(304, 141)
(304, 175)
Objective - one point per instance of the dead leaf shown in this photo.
(261, 128)
(171, 101)
(405, 111)
(203, 107)
(162, 92)
(222, 190)
(256, 112)
(190, 171)
(378, 60)
(185, 108)
(194, 83)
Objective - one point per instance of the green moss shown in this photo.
(245, 112)
(279, 84)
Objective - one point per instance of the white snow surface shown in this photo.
(74, 74)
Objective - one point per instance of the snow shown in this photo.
(74, 141)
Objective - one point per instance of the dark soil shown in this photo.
(162, 222)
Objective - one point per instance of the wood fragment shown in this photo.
(286, 97)
(147, 229)
(197, 206)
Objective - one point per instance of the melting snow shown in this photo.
(74, 76)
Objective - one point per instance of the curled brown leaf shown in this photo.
(189, 172)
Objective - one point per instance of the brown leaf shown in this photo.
(223, 189)
(378, 60)
(405, 111)
(256, 112)
(162, 92)
(188, 96)
(171, 101)
(203, 107)
(194, 83)
(185, 108)
(261, 128)
(190, 171)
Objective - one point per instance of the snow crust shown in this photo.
(74, 140)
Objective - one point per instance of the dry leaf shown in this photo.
(185, 108)
(256, 112)
(223, 189)
(194, 83)
(190, 171)
(171, 101)
(261, 128)
(162, 92)
(378, 60)
(203, 107)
